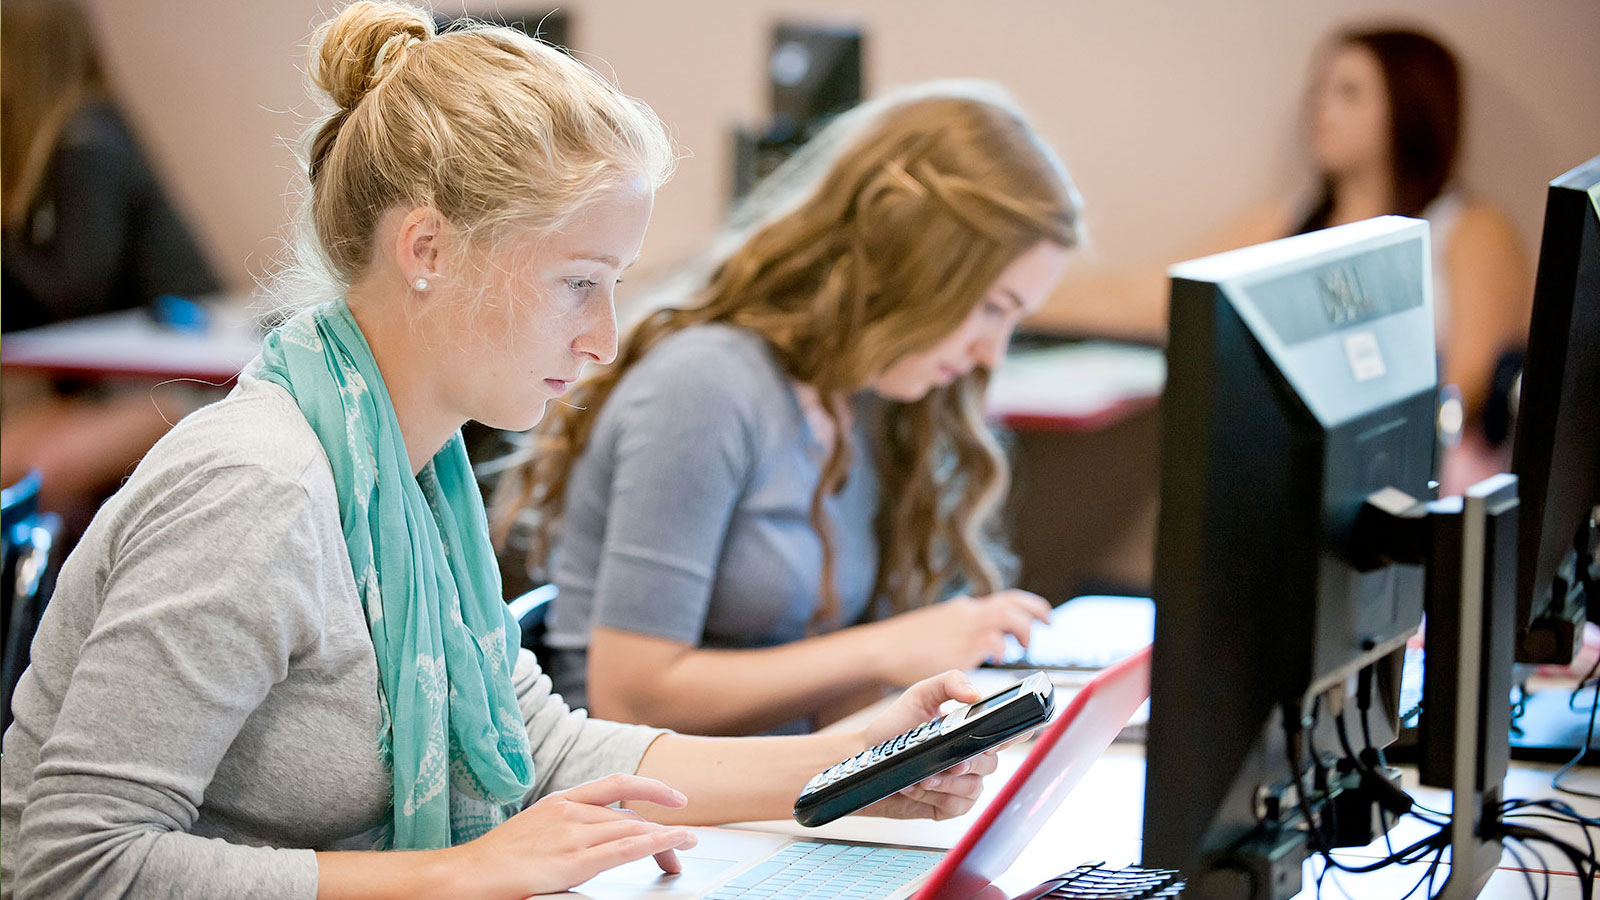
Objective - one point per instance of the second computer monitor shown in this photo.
(1301, 378)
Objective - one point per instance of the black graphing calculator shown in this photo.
(927, 749)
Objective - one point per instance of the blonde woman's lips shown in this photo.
(556, 385)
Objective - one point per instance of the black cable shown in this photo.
(1420, 881)
(1321, 774)
(1573, 854)
(1364, 703)
(1511, 845)
(1552, 818)
(1583, 682)
(1361, 764)
(1433, 844)
(1560, 807)
(1433, 869)
(1366, 738)
(1563, 813)
(1583, 747)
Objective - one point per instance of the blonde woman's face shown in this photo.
(981, 338)
(561, 291)
(1350, 112)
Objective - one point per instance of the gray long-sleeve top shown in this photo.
(201, 710)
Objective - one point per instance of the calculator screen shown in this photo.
(983, 706)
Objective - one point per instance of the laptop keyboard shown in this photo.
(811, 869)
(1097, 881)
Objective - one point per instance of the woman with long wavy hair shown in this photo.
(752, 515)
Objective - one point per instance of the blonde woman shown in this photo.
(283, 642)
(757, 510)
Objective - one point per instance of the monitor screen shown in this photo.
(1301, 378)
(1556, 454)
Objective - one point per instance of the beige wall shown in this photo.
(1173, 117)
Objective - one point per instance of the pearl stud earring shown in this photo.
(420, 284)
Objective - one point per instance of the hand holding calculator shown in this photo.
(925, 750)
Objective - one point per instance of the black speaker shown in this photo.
(553, 26)
(814, 72)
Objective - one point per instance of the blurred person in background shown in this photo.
(1384, 131)
(778, 503)
(87, 230)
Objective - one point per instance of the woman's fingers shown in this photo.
(965, 786)
(624, 789)
(660, 841)
(669, 863)
(625, 827)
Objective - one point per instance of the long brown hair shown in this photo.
(52, 67)
(1423, 82)
(918, 203)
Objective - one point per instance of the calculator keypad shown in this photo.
(886, 750)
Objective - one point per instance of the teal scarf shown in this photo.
(451, 730)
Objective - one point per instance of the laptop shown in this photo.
(1085, 633)
(730, 864)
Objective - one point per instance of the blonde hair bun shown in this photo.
(352, 52)
(498, 132)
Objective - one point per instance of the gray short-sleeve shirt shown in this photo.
(687, 513)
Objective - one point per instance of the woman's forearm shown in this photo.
(380, 876)
(635, 678)
(739, 779)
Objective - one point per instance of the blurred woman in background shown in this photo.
(1384, 132)
(87, 229)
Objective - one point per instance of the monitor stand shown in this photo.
(1468, 546)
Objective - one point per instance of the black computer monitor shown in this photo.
(1556, 455)
(813, 74)
(1301, 377)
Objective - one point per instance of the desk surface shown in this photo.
(1102, 819)
(1075, 387)
(1070, 387)
(131, 344)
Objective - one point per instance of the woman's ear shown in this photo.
(418, 246)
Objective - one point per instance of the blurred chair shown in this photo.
(531, 610)
(30, 541)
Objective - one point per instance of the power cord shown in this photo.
(1583, 748)
(1511, 827)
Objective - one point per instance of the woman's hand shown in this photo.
(961, 633)
(949, 793)
(570, 836)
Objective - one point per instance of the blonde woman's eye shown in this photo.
(991, 308)
(579, 285)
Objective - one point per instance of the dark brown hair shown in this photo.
(1424, 87)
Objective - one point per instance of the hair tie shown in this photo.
(404, 40)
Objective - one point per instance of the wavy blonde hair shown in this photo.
(874, 243)
(499, 132)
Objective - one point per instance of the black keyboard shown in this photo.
(1094, 881)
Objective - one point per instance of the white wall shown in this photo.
(1173, 117)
